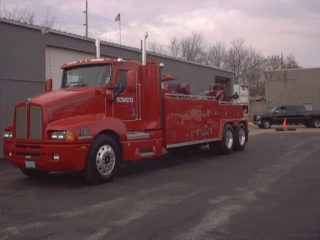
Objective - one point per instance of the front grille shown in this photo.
(21, 123)
(35, 123)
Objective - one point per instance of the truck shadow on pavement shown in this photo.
(76, 180)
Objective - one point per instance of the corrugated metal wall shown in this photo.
(23, 64)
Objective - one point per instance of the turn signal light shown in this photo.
(69, 136)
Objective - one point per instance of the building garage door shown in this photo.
(56, 57)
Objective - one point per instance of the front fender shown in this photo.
(92, 123)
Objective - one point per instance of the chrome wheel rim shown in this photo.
(266, 124)
(229, 139)
(317, 123)
(105, 159)
(242, 136)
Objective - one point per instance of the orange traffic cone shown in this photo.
(284, 126)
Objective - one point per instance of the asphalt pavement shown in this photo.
(268, 191)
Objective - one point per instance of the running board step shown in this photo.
(146, 152)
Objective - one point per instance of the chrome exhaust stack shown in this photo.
(98, 48)
(144, 49)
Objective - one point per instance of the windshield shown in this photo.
(271, 109)
(87, 76)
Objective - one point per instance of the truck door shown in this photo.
(279, 115)
(292, 115)
(124, 105)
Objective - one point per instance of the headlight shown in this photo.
(7, 134)
(58, 135)
(257, 117)
(62, 135)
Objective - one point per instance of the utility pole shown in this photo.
(86, 12)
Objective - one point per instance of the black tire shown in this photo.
(34, 173)
(315, 123)
(266, 124)
(221, 147)
(109, 152)
(240, 137)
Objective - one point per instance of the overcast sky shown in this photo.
(271, 26)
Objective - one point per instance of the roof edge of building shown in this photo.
(72, 35)
(292, 69)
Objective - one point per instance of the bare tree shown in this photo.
(217, 54)
(174, 48)
(18, 14)
(153, 47)
(49, 21)
(253, 72)
(246, 62)
(192, 48)
(235, 60)
(290, 62)
(27, 15)
(275, 62)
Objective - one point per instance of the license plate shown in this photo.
(30, 164)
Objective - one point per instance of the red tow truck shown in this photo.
(109, 112)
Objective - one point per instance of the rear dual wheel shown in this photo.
(240, 137)
(232, 139)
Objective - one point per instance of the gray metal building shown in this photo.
(28, 57)
(293, 87)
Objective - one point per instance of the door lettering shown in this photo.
(124, 99)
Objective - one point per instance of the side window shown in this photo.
(291, 108)
(282, 110)
(121, 79)
(72, 79)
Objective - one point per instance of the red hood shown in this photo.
(69, 102)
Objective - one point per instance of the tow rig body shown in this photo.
(124, 114)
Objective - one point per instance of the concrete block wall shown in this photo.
(256, 107)
(293, 87)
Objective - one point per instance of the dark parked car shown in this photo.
(293, 114)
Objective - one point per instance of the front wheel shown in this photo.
(266, 124)
(103, 159)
